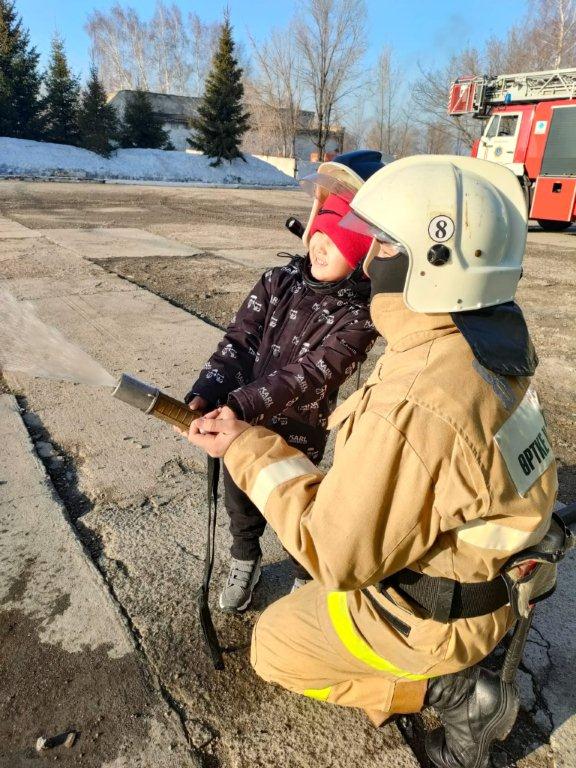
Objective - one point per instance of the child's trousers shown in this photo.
(247, 525)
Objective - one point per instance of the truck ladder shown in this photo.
(531, 86)
(477, 94)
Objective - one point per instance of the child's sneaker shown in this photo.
(242, 578)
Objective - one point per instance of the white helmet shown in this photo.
(330, 178)
(462, 221)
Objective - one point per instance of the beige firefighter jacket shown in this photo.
(440, 466)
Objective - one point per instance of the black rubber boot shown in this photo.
(477, 708)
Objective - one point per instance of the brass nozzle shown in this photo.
(153, 402)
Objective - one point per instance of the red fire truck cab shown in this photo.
(530, 128)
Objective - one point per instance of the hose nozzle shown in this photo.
(152, 401)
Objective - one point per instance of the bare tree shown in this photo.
(203, 41)
(393, 130)
(378, 117)
(435, 140)
(556, 38)
(136, 40)
(516, 52)
(356, 119)
(430, 95)
(386, 86)
(544, 39)
(330, 38)
(277, 88)
(163, 54)
(170, 45)
(119, 45)
(406, 142)
(264, 136)
(405, 137)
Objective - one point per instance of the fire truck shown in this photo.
(531, 129)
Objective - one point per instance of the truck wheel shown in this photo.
(549, 225)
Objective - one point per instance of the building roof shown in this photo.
(164, 104)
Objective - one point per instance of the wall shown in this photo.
(285, 164)
(305, 146)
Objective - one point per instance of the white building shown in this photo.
(174, 113)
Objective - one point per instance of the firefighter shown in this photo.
(442, 463)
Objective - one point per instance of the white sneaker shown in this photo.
(242, 578)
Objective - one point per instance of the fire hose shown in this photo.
(154, 402)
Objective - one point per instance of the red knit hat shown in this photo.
(352, 245)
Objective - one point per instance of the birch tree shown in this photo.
(277, 89)
(556, 39)
(166, 54)
(330, 39)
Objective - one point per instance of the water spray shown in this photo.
(153, 402)
(30, 346)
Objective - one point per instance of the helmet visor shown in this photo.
(355, 223)
(320, 185)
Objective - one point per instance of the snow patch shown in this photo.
(21, 157)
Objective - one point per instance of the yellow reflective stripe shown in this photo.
(318, 693)
(356, 645)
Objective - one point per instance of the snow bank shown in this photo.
(20, 157)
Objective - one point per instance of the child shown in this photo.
(302, 331)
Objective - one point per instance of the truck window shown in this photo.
(508, 125)
(492, 128)
(560, 153)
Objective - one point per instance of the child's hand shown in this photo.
(199, 406)
(198, 403)
(215, 434)
(226, 413)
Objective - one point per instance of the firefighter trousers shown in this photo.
(296, 644)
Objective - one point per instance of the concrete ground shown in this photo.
(69, 659)
(111, 267)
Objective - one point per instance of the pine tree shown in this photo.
(221, 121)
(62, 98)
(20, 102)
(141, 127)
(97, 119)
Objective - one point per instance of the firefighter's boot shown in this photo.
(477, 708)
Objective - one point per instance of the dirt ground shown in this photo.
(157, 209)
(234, 235)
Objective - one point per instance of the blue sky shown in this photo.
(427, 32)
